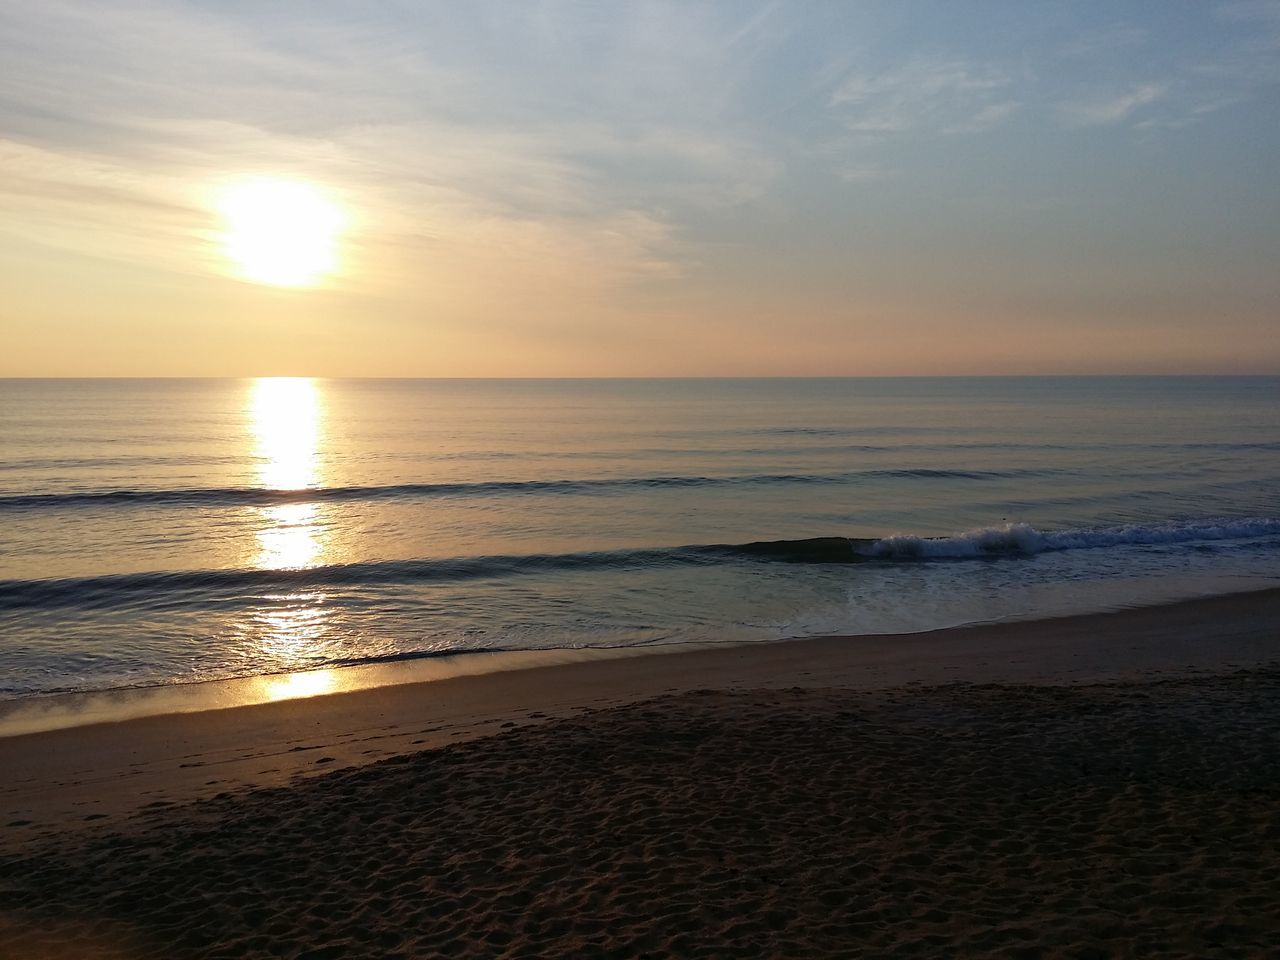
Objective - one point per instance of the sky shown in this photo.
(639, 189)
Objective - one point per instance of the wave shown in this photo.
(261, 496)
(94, 592)
(164, 589)
(188, 460)
(1023, 539)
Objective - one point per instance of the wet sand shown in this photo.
(1086, 787)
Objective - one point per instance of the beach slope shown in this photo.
(837, 812)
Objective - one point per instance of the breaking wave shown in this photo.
(1022, 538)
(164, 588)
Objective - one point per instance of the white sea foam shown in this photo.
(1022, 538)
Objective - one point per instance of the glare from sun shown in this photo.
(280, 232)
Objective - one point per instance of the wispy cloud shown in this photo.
(1112, 109)
(987, 118)
(565, 158)
(929, 95)
(1252, 60)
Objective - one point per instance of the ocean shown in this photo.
(160, 532)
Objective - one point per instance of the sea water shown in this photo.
(165, 531)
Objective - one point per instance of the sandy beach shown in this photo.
(1095, 786)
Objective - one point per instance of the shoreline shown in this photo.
(39, 713)
(100, 774)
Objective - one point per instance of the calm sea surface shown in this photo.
(175, 530)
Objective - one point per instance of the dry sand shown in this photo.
(793, 807)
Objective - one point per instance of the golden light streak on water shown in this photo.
(285, 414)
(286, 417)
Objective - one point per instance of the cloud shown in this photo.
(505, 134)
(1252, 60)
(926, 95)
(1111, 110)
(988, 118)
(1228, 63)
(90, 206)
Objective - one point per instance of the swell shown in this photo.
(261, 496)
(95, 592)
(1017, 540)
(188, 460)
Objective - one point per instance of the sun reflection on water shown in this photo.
(286, 423)
(286, 418)
(289, 539)
(287, 630)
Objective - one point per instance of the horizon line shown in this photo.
(837, 376)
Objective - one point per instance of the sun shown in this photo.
(280, 232)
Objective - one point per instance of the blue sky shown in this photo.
(649, 189)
